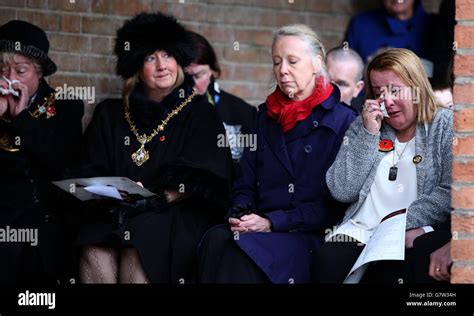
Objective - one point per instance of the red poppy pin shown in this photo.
(162, 138)
(50, 111)
(385, 145)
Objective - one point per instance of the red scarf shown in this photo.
(288, 111)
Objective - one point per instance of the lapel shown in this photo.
(420, 149)
(276, 139)
(304, 127)
(321, 115)
(276, 142)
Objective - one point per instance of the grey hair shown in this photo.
(342, 54)
(310, 38)
(10, 57)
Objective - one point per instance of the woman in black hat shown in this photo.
(164, 135)
(39, 138)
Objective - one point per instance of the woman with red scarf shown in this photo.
(281, 204)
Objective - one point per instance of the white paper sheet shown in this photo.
(93, 188)
(386, 243)
(104, 190)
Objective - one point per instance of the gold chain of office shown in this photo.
(141, 156)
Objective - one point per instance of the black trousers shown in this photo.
(334, 260)
(222, 261)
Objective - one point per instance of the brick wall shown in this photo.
(81, 34)
(463, 146)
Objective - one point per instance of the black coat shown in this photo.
(238, 117)
(46, 147)
(165, 235)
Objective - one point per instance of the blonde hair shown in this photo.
(310, 38)
(6, 57)
(130, 84)
(411, 71)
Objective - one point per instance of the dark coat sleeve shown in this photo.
(307, 216)
(203, 169)
(245, 187)
(97, 157)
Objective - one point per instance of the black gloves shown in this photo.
(240, 210)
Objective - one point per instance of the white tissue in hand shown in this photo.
(384, 110)
(10, 89)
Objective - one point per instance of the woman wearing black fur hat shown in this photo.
(164, 135)
(39, 138)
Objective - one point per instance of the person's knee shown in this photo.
(324, 255)
(215, 237)
(130, 254)
(322, 261)
(87, 254)
(333, 261)
(93, 254)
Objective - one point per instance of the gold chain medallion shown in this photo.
(141, 156)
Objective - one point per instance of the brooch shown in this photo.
(46, 108)
(417, 159)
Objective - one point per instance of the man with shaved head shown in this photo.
(345, 68)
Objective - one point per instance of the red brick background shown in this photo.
(82, 31)
(463, 146)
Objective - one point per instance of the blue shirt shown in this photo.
(372, 30)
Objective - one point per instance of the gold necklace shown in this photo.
(140, 156)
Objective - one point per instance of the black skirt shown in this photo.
(222, 261)
(166, 240)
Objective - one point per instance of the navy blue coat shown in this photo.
(285, 179)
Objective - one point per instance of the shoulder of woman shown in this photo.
(262, 108)
(348, 111)
(341, 115)
(231, 98)
(72, 107)
(201, 105)
(200, 111)
(443, 115)
(443, 121)
(108, 106)
(441, 128)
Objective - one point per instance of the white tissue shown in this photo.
(10, 89)
(384, 110)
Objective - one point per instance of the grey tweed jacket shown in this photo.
(351, 175)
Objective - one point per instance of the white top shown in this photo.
(385, 196)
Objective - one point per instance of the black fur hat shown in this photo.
(146, 33)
